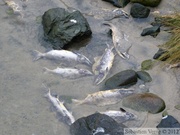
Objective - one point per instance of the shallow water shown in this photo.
(24, 110)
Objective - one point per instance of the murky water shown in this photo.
(24, 110)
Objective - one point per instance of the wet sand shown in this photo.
(24, 110)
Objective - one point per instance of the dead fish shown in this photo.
(71, 73)
(106, 97)
(177, 65)
(118, 38)
(102, 65)
(120, 116)
(60, 108)
(63, 55)
(115, 14)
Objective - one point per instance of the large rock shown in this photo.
(150, 3)
(139, 11)
(159, 53)
(144, 76)
(144, 102)
(118, 3)
(97, 124)
(122, 79)
(61, 27)
(168, 122)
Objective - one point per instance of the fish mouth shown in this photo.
(125, 55)
(99, 78)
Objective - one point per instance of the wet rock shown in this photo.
(177, 107)
(139, 11)
(159, 53)
(144, 76)
(153, 31)
(144, 102)
(150, 3)
(168, 122)
(97, 124)
(146, 65)
(118, 3)
(61, 27)
(122, 79)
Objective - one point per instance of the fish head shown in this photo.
(85, 72)
(83, 59)
(99, 78)
(128, 115)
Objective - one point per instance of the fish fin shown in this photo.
(96, 58)
(37, 55)
(49, 91)
(76, 101)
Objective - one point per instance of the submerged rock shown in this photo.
(96, 124)
(153, 31)
(168, 122)
(144, 102)
(147, 64)
(139, 11)
(122, 79)
(61, 27)
(118, 3)
(151, 3)
(144, 76)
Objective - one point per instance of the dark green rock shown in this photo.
(153, 31)
(61, 27)
(144, 76)
(139, 11)
(118, 3)
(144, 102)
(146, 65)
(89, 125)
(150, 3)
(122, 79)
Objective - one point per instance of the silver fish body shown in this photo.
(120, 116)
(102, 65)
(119, 39)
(61, 109)
(106, 97)
(63, 55)
(70, 73)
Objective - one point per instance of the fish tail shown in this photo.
(49, 91)
(37, 55)
(46, 70)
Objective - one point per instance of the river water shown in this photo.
(25, 111)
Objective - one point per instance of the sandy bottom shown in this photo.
(24, 110)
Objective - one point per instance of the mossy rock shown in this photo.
(147, 65)
(150, 3)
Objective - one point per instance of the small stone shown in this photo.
(150, 3)
(177, 107)
(139, 11)
(144, 76)
(153, 31)
(122, 79)
(144, 102)
(146, 65)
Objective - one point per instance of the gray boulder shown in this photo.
(144, 102)
(122, 79)
(97, 124)
(144, 76)
(61, 27)
(153, 31)
(139, 11)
